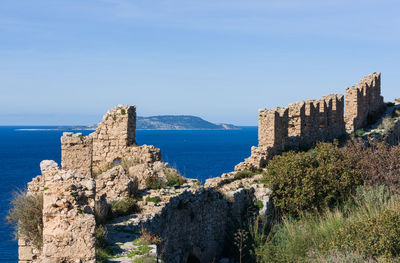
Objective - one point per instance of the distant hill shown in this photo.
(179, 122)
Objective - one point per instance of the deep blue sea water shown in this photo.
(196, 154)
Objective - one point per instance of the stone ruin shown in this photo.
(68, 217)
(107, 166)
(302, 124)
(70, 193)
(192, 219)
(113, 141)
(364, 102)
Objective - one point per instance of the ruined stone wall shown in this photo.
(113, 141)
(298, 126)
(363, 101)
(68, 217)
(303, 123)
(77, 153)
(113, 135)
(197, 223)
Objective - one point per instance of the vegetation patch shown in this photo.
(124, 207)
(359, 132)
(145, 259)
(154, 182)
(387, 124)
(366, 227)
(140, 250)
(154, 199)
(26, 217)
(123, 111)
(311, 181)
(243, 174)
(173, 177)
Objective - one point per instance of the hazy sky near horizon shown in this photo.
(68, 61)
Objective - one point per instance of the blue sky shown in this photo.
(67, 62)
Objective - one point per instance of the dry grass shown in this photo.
(26, 216)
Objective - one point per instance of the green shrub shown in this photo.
(154, 182)
(360, 132)
(26, 216)
(173, 177)
(123, 207)
(313, 180)
(123, 111)
(154, 199)
(243, 174)
(372, 236)
(313, 237)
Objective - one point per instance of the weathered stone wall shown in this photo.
(68, 217)
(303, 123)
(197, 222)
(299, 125)
(363, 101)
(112, 142)
(113, 135)
(77, 153)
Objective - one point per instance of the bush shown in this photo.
(123, 207)
(379, 163)
(377, 235)
(360, 132)
(317, 237)
(26, 216)
(173, 177)
(154, 182)
(313, 180)
(243, 174)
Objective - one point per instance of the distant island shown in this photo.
(179, 122)
(162, 122)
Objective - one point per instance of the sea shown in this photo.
(198, 154)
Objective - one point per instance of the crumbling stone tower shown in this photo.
(364, 102)
(273, 127)
(113, 141)
(113, 135)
